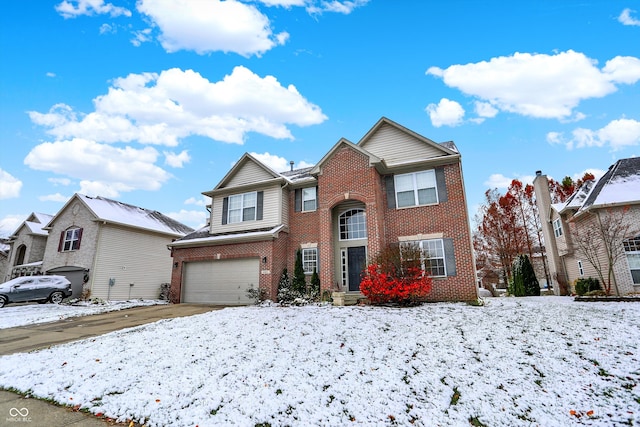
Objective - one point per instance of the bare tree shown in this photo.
(597, 236)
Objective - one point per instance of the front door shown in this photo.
(356, 263)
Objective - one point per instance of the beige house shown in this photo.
(26, 247)
(110, 250)
(615, 197)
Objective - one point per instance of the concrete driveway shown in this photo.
(32, 337)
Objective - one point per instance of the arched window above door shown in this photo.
(353, 224)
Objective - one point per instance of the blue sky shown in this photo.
(150, 102)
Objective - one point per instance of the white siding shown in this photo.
(395, 146)
(247, 174)
(271, 215)
(130, 256)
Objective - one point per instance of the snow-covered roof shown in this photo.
(40, 221)
(202, 236)
(619, 185)
(121, 213)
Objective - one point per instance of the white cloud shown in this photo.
(539, 85)
(57, 197)
(176, 160)
(59, 181)
(9, 185)
(485, 109)
(103, 169)
(74, 8)
(445, 113)
(202, 201)
(210, 26)
(344, 7)
(626, 19)
(617, 134)
(277, 163)
(497, 180)
(50, 74)
(284, 3)
(10, 223)
(162, 108)
(194, 219)
(141, 36)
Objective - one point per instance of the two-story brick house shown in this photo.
(394, 186)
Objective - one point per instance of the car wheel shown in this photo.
(56, 297)
(3, 301)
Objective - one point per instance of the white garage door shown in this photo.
(220, 282)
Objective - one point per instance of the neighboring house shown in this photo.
(110, 250)
(615, 195)
(26, 247)
(392, 187)
(4, 259)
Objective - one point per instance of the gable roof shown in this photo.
(35, 223)
(373, 160)
(115, 212)
(447, 148)
(240, 164)
(620, 185)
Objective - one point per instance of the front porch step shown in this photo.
(347, 298)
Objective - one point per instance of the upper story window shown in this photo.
(70, 240)
(242, 207)
(353, 224)
(309, 201)
(306, 199)
(310, 260)
(415, 189)
(557, 227)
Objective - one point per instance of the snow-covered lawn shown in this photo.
(14, 315)
(544, 361)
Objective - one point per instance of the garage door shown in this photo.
(220, 282)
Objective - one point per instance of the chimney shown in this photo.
(291, 163)
(538, 173)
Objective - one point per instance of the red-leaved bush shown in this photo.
(409, 288)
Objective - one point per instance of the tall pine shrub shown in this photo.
(524, 281)
(299, 284)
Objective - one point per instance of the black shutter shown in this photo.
(441, 185)
(225, 210)
(298, 200)
(391, 191)
(317, 199)
(61, 241)
(449, 257)
(259, 204)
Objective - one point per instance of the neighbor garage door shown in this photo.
(220, 282)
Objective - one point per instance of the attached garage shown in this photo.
(220, 281)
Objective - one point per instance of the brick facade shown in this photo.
(347, 176)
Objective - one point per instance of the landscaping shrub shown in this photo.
(524, 282)
(589, 284)
(396, 277)
(299, 283)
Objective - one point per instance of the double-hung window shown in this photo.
(71, 239)
(557, 227)
(309, 200)
(310, 260)
(632, 250)
(432, 256)
(415, 189)
(242, 207)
